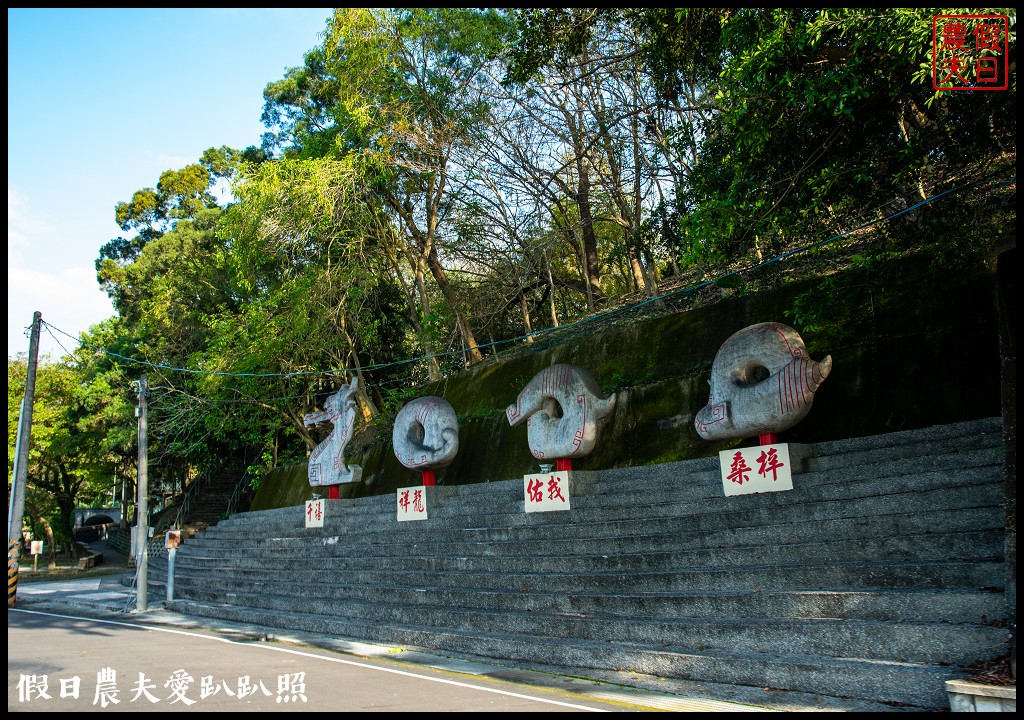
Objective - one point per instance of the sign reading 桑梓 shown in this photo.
(765, 468)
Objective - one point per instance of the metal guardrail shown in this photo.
(191, 494)
(236, 495)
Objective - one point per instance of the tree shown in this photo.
(796, 117)
(629, 146)
(317, 291)
(61, 467)
(402, 89)
(823, 113)
(179, 195)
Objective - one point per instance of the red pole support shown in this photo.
(768, 438)
(563, 464)
(333, 492)
(428, 478)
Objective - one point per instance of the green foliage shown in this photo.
(64, 463)
(404, 202)
(810, 309)
(822, 109)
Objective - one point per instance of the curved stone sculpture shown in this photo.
(762, 381)
(327, 462)
(562, 405)
(426, 434)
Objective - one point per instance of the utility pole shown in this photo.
(142, 508)
(16, 511)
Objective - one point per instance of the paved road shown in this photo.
(102, 596)
(58, 662)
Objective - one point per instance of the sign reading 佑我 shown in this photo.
(765, 468)
(544, 492)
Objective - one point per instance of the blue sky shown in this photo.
(100, 102)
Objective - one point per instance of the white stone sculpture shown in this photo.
(562, 405)
(762, 382)
(426, 434)
(327, 462)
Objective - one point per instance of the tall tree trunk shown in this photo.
(638, 272)
(526, 315)
(551, 294)
(366, 406)
(441, 278)
(49, 548)
(593, 264)
(433, 366)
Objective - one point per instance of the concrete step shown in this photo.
(332, 558)
(919, 642)
(632, 494)
(692, 475)
(634, 538)
(887, 681)
(973, 488)
(878, 577)
(865, 575)
(896, 605)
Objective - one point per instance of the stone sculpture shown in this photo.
(327, 462)
(762, 382)
(562, 405)
(426, 434)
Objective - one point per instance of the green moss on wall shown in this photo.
(912, 346)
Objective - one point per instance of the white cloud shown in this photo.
(22, 225)
(68, 299)
(44, 274)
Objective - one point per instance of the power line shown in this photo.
(537, 333)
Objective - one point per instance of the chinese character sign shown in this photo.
(546, 491)
(970, 52)
(412, 503)
(765, 468)
(314, 513)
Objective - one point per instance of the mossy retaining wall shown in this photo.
(912, 346)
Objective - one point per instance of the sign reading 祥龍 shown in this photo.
(412, 503)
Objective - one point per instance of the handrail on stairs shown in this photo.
(236, 495)
(191, 495)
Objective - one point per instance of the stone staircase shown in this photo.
(877, 578)
(212, 502)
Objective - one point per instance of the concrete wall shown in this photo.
(912, 345)
(82, 515)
